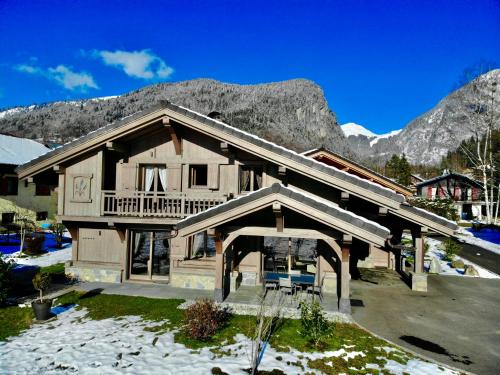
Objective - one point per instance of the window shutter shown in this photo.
(128, 177)
(213, 176)
(174, 177)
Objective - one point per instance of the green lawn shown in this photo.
(286, 335)
(54, 269)
(13, 320)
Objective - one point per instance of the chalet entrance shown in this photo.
(149, 255)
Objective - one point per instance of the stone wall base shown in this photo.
(249, 278)
(192, 281)
(101, 274)
(418, 282)
(329, 283)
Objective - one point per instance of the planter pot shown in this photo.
(42, 309)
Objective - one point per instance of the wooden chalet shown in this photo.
(171, 195)
(338, 161)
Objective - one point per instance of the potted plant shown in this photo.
(41, 306)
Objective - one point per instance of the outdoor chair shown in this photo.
(316, 289)
(286, 285)
(269, 285)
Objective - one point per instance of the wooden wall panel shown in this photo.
(100, 246)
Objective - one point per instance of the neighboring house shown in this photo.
(171, 195)
(467, 193)
(415, 179)
(39, 197)
(338, 161)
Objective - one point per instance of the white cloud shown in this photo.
(63, 75)
(138, 64)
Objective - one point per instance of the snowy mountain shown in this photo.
(292, 113)
(354, 129)
(429, 137)
(363, 140)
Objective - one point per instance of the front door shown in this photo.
(149, 257)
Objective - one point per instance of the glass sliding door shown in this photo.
(149, 257)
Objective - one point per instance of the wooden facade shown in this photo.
(131, 188)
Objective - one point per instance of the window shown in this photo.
(8, 186)
(42, 189)
(198, 175)
(250, 178)
(154, 178)
(41, 215)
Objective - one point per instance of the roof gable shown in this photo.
(307, 204)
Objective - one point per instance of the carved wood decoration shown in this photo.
(81, 188)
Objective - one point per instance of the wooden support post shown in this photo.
(60, 189)
(172, 131)
(279, 216)
(219, 268)
(344, 300)
(74, 243)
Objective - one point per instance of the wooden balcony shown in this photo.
(152, 204)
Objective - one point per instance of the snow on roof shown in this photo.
(16, 151)
(327, 207)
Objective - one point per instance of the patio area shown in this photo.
(245, 300)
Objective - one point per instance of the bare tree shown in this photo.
(481, 111)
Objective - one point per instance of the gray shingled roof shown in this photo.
(385, 178)
(309, 162)
(305, 199)
(447, 175)
(430, 216)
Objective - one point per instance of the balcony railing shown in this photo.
(145, 203)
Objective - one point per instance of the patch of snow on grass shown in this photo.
(47, 259)
(76, 344)
(435, 251)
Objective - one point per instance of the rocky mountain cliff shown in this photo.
(457, 117)
(293, 113)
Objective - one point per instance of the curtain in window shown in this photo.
(150, 176)
(258, 180)
(162, 172)
(244, 179)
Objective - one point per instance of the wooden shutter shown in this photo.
(174, 177)
(128, 177)
(213, 176)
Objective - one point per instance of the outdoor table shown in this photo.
(296, 279)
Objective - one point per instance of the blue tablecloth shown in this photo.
(296, 279)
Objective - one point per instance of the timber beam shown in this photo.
(174, 135)
(383, 211)
(278, 213)
(116, 147)
(58, 169)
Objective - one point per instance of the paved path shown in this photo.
(478, 255)
(457, 322)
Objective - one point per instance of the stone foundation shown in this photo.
(249, 278)
(236, 278)
(192, 281)
(418, 282)
(105, 275)
(329, 283)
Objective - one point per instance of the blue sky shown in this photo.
(380, 63)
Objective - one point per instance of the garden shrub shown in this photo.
(450, 248)
(5, 279)
(203, 319)
(41, 282)
(33, 245)
(315, 326)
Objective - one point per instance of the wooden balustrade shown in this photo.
(147, 204)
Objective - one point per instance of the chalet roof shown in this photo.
(359, 166)
(16, 151)
(239, 138)
(219, 125)
(448, 175)
(304, 199)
